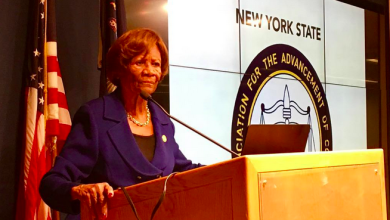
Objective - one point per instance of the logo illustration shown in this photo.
(280, 86)
(287, 106)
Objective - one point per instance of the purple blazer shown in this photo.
(102, 148)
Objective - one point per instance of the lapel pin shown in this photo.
(164, 138)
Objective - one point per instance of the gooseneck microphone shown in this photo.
(147, 96)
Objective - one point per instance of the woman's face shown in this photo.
(145, 72)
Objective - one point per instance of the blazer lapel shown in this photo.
(160, 124)
(123, 139)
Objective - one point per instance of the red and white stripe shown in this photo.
(58, 121)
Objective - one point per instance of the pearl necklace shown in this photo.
(132, 119)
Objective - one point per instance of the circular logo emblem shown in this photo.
(281, 86)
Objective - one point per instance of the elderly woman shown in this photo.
(120, 139)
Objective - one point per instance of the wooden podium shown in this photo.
(326, 185)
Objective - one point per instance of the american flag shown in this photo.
(47, 117)
(112, 26)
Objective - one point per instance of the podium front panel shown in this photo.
(345, 192)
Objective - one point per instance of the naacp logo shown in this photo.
(280, 86)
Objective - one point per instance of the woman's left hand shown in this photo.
(95, 197)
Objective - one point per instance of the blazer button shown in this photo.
(139, 177)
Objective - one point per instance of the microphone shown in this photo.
(147, 96)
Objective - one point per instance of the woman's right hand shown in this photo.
(94, 196)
